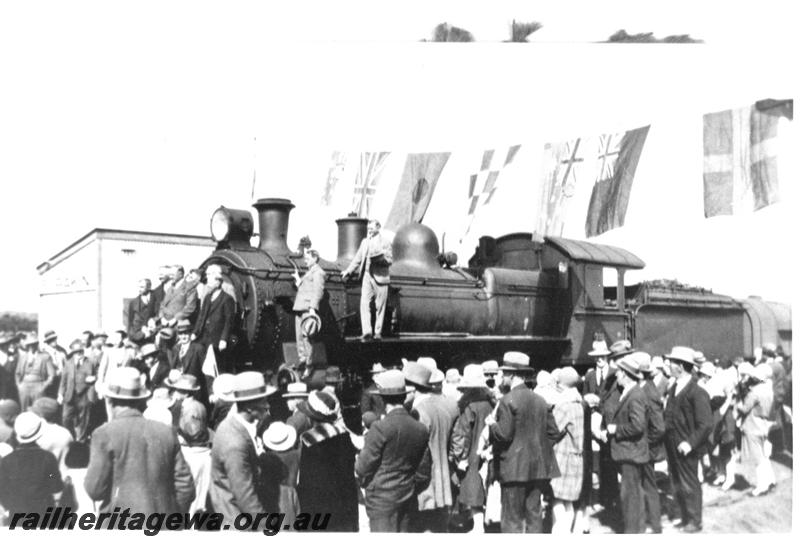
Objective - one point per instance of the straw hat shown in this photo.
(321, 406)
(223, 386)
(428, 362)
(516, 362)
(599, 348)
(630, 364)
(249, 386)
(310, 324)
(473, 377)
(28, 427)
(296, 390)
(126, 384)
(184, 383)
(49, 336)
(279, 436)
(490, 367)
(391, 383)
(620, 348)
(684, 355)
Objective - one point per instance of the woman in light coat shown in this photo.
(569, 414)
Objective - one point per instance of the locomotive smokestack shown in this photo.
(273, 224)
(351, 231)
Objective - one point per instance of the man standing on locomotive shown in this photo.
(310, 289)
(372, 261)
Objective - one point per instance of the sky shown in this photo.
(149, 115)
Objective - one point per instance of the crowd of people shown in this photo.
(150, 419)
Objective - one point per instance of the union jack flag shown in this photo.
(369, 170)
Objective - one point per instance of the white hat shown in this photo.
(473, 377)
(279, 436)
(126, 384)
(599, 348)
(28, 427)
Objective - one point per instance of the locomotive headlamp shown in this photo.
(231, 225)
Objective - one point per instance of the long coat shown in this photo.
(327, 483)
(629, 441)
(687, 416)
(215, 322)
(234, 471)
(523, 437)
(136, 463)
(569, 415)
(310, 290)
(138, 314)
(475, 406)
(73, 383)
(655, 421)
(395, 462)
(434, 413)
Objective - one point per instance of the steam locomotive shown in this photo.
(544, 298)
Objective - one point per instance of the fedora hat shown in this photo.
(620, 348)
(377, 368)
(279, 436)
(437, 377)
(249, 386)
(184, 383)
(516, 362)
(296, 390)
(428, 362)
(333, 375)
(30, 340)
(75, 347)
(630, 364)
(599, 348)
(126, 384)
(391, 383)
(183, 326)
(417, 374)
(707, 368)
(473, 377)
(148, 349)
(310, 324)
(490, 367)
(28, 427)
(684, 355)
(320, 406)
(49, 336)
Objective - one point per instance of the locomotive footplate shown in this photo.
(455, 349)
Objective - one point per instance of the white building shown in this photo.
(86, 285)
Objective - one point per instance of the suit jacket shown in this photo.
(192, 364)
(136, 463)
(179, 303)
(310, 289)
(629, 441)
(138, 315)
(687, 417)
(523, 437)
(29, 476)
(216, 319)
(590, 385)
(395, 463)
(363, 262)
(234, 471)
(39, 365)
(435, 414)
(73, 380)
(655, 421)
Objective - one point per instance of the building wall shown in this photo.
(68, 294)
(124, 262)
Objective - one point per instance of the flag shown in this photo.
(740, 167)
(335, 172)
(417, 185)
(616, 161)
(483, 184)
(367, 177)
(561, 165)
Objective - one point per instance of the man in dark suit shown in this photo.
(215, 322)
(164, 273)
(522, 433)
(76, 391)
(369, 400)
(627, 432)
(310, 290)
(395, 463)
(687, 424)
(372, 262)
(189, 357)
(141, 310)
(655, 441)
(234, 459)
(136, 463)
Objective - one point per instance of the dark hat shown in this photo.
(310, 324)
(620, 348)
(75, 347)
(91, 334)
(167, 333)
(183, 326)
(46, 408)
(320, 406)
(516, 362)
